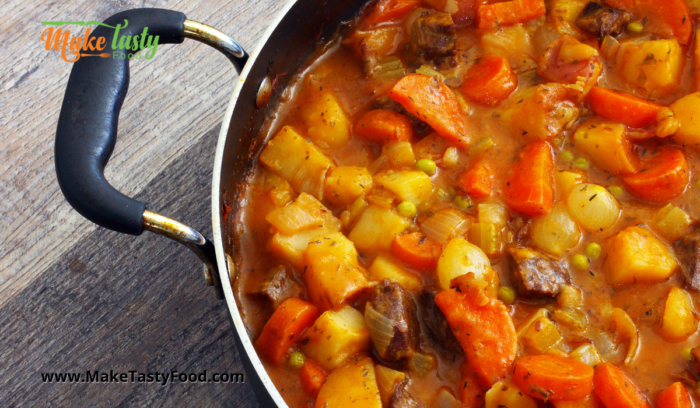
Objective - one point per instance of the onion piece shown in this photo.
(625, 330)
(380, 328)
(387, 379)
(445, 399)
(422, 364)
(444, 225)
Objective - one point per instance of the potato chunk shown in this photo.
(504, 394)
(376, 229)
(654, 67)
(335, 336)
(567, 180)
(352, 385)
(636, 255)
(384, 267)
(413, 186)
(686, 111)
(291, 248)
(679, 319)
(672, 222)
(541, 335)
(327, 124)
(606, 143)
(344, 184)
(304, 213)
(298, 161)
(332, 273)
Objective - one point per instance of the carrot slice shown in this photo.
(384, 126)
(471, 392)
(661, 178)
(467, 10)
(530, 180)
(624, 108)
(675, 396)
(477, 180)
(483, 328)
(615, 389)
(433, 102)
(667, 18)
(490, 80)
(508, 12)
(388, 10)
(550, 377)
(285, 327)
(416, 250)
(312, 378)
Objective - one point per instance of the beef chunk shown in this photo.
(602, 21)
(535, 273)
(438, 329)
(403, 399)
(279, 286)
(688, 253)
(433, 40)
(396, 304)
(386, 103)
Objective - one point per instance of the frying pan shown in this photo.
(87, 131)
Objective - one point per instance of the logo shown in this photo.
(74, 47)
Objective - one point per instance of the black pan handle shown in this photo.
(87, 125)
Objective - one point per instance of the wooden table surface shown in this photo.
(74, 297)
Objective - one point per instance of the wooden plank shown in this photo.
(173, 99)
(116, 302)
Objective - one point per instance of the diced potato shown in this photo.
(556, 232)
(563, 14)
(544, 114)
(586, 354)
(679, 319)
(487, 236)
(636, 255)
(459, 258)
(541, 335)
(590, 401)
(298, 161)
(569, 297)
(672, 222)
(541, 312)
(291, 248)
(303, 214)
(686, 110)
(384, 267)
(495, 213)
(332, 273)
(335, 336)
(413, 186)
(327, 124)
(654, 67)
(345, 183)
(510, 41)
(278, 189)
(387, 379)
(567, 180)
(431, 147)
(593, 206)
(352, 385)
(606, 143)
(571, 318)
(503, 394)
(400, 154)
(376, 229)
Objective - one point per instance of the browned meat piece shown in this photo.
(396, 304)
(535, 273)
(386, 103)
(279, 286)
(433, 40)
(602, 21)
(438, 329)
(688, 252)
(403, 399)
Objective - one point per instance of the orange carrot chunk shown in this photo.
(434, 103)
(285, 327)
(615, 389)
(624, 108)
(388, 10)
(661, 178)
(477, 180)
(417, 250)
(471, 392)
(550, 377)
(508, 12)
(483, 328)
(312, 377)
(384, 126)
(529, 183)
(675, 396)
(667, 18)
(489, 81)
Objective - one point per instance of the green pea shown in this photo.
(617, 191)
(635, 27)
(566, 156)
(593, 250)
(579, 262)
(686, 353)
(407, 209)
(427, 166)
(582, 163)
(463, 202)
(296, 360)
(506, 294)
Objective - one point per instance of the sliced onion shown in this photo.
(386, 381)
(625, 330)
(380, 328)
(445, 399)
(444, 225)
